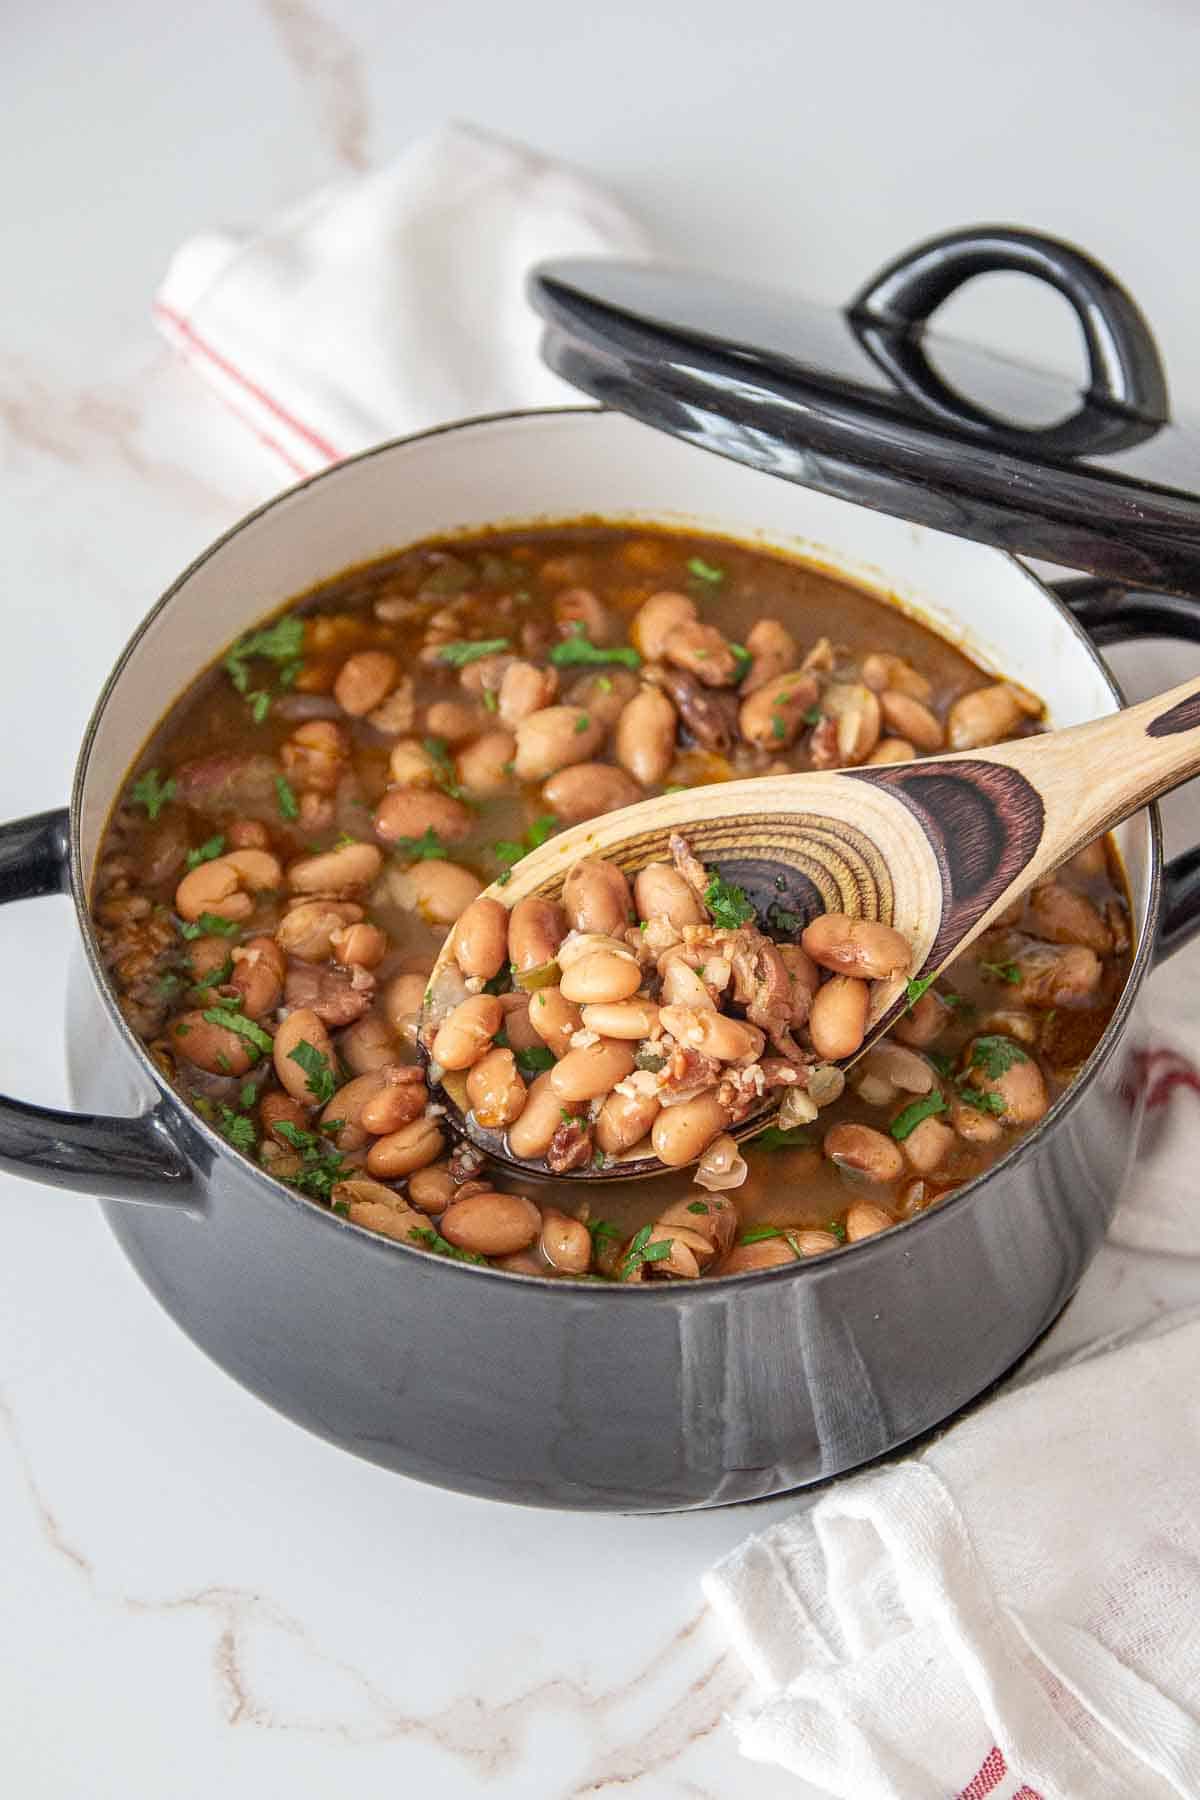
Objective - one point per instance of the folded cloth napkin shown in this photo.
(1014, 1612)
(389, 301)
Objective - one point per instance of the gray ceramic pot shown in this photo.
(641, 1398)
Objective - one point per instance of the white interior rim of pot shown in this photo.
(81, 875)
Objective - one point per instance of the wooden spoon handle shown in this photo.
(1090, 777)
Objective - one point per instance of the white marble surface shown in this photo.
(196, 1597)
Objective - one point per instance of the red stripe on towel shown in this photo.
(187, 330)
(990, 1775)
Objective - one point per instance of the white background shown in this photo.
(195, 1597)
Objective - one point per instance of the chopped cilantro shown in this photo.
(743, 659)
(641, 1250)
(778, 727)
(649, 1059)
(957, 1000)
(995, 1055)
(811, 715)
(504, 877)
(428, 845)
(704, 571)
(460, 654)
(578, 648)
(602, 1231)
(943, 1064)
(150, 792)
(599, 1159)
(447, 776)
(248, 1096)
(289, 806)
(490, 702)
(781, 920)
(728, 905)
(279, 643)
(231, 1019)
(534, 1060)
(206, 852)
(168, 984)
(321, 1084)
(604, 683)
(1000, 971)
(341, 1208)
(911, 1116)
(914, 989)
(697, 1206)
(235, 1128)
(211, 925)
(758, 1234)
(260, 705)
(837, 1230)
(984, 1103)
(510, 850)
(775, 1137)
(582, 724)
(322, 1163)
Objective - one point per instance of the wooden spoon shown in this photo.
(937, 848)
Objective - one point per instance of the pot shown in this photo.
(637, 1398)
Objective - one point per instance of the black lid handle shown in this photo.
(1125, 373)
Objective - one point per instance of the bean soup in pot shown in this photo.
(316, 813)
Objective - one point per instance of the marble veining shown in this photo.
(330, 69)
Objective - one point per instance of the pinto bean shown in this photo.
(307, 929)
(924, 1021)
(225, 885)
(773, 651)
(1065, 917)
(911, 719)
(346, 1109)
(767, 1253)
(1056, 977)
(247, 834)
(404, 1151)
(864, 1151)
(602, 977)
(682, 1133)
(485, 767)
(402, 1000)
(555, 1019)
(365, 680)
(586, 1074)
(662, 893)
(432, 1188)
(455, 721)
(565, 1242)
(411, 765)
(929, 1145)
(856, 713)
(900, 1067)
(360, 946)
(864, 1220)
(603, 694)
(525, 689)
(586, 790)
(892, 750)
(529, 1136)
(988, 714)
(1022, 1087)
(657, 620)
(804, 978)
(973, 1126)
(624, 1120)
(578, 606)
(440, 891)
(411, 812)
(301, 1027)
(341, 871)
(259, 968)
(579, 944)
(701, 651)
(553, 739)
(630, 1019)
(402, 1098)
(391, 1221)
(1090, 863)
(214, 1048)
(714, 1033)
(882, 670)
(466, 1034)
(645, 736)
(366, 1045)
(596, 897)
(773, 717)
(862, 947)
(315, 756)
(516, 1026)
(682, 986)
(275, 1109)
(837, 1022)
(492, 1224)
(481, 938)
(495, 1089)
(536, 928)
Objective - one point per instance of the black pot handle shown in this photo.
(1117, 615)
(1126, 395)
(119, 1159)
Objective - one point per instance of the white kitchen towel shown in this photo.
(1015, 1613)
(388, 301)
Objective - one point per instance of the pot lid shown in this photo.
(866, 403)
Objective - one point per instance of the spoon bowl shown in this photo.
(937, 849)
